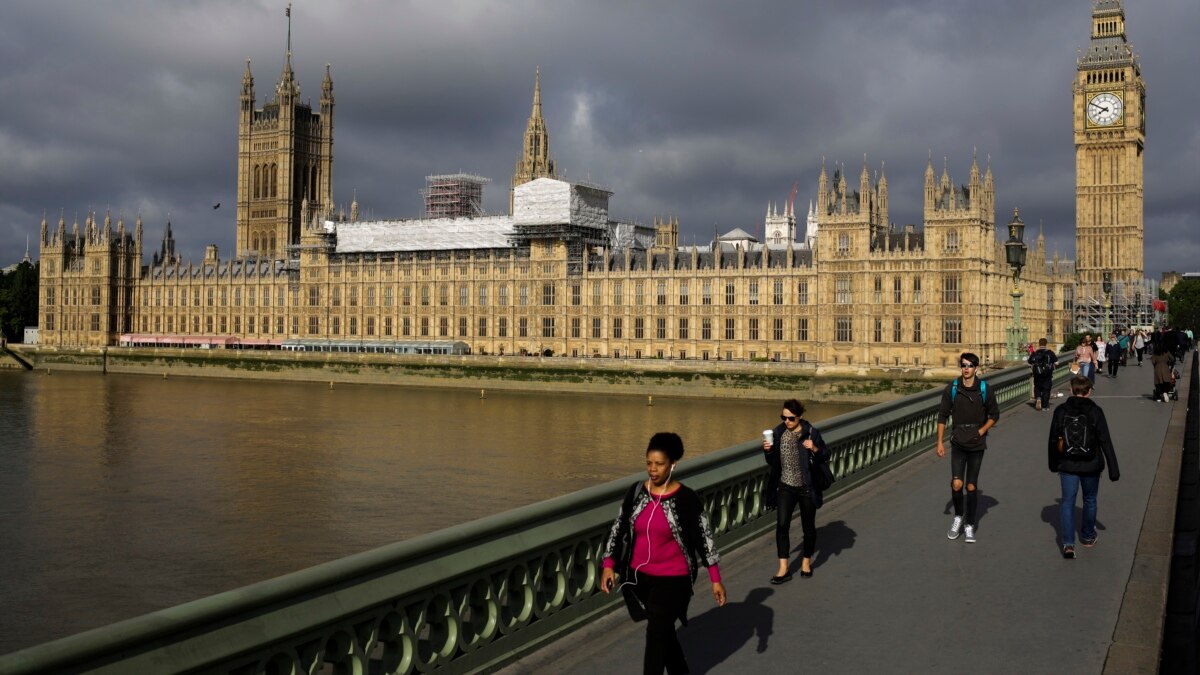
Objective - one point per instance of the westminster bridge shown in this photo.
(516, 592)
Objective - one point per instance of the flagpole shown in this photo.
(288, 13)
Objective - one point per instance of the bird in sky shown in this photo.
(216, 206)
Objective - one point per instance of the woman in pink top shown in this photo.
(659, 540)
(1085, 356)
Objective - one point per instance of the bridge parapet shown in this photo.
(475, 596)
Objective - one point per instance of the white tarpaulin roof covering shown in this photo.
(423, 234)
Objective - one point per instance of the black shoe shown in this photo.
(1068, 552)
(806, 574)
(784, 579)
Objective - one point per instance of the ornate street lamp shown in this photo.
(1107, 286)
(1014, 253)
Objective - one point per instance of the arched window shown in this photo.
(272, 243)
(255, 181)
(274, 180)
(312, 191)
(255, 241)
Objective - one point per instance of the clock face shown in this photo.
(1104, 109)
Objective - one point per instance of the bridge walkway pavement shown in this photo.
(891, 594)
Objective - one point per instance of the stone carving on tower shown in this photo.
(1110, 135)
(535, 161)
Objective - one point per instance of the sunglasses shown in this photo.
(788, 418)
(967, 365)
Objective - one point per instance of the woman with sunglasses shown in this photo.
(794, 447)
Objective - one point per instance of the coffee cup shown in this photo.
(769, 436)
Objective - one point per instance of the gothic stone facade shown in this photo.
(865, 294)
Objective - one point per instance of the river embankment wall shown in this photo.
(640, 377)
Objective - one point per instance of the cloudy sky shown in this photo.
(702, 110)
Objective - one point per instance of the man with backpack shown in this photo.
(974, 411)
(1042, 363)
(1078, 448)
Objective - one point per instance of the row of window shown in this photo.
(212, 297)
(72, 322)
(639, 328)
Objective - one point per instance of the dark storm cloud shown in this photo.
(705, 111)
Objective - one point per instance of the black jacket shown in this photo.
(1043, 355)
(689, 526)
(771, 490)
(969, 409)
(1102, 447)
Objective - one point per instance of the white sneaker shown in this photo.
(955, 528)
(970, 531)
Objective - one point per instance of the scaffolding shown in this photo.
(577, 239)
(456, 195)
(1125, 304)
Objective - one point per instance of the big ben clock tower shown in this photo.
(1110, 135)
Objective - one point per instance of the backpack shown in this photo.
(1040, 364)
(982, 391)
(1075, 440)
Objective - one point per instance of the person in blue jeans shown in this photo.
(1079, 447)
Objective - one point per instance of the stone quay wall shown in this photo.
(640, 377)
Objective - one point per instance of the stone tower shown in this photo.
(285, 164)
(87, 281)
(535, 159)
(1110, 135)
(851, 220)
(780, 227)
(960, 220)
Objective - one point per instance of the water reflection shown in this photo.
(120, 495)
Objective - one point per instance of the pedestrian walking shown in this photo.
(1139, 344)
(793, 449)
(1079, 448)
(1042, 363)
(660, 538)
(1101, 348)
(1113, 350)
(1085, 356)
(974, 412)
(1163, 363)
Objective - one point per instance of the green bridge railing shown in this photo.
(476, 596)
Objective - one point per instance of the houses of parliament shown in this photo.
(557, 276)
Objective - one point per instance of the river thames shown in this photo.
(120, 495)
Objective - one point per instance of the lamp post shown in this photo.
(1014, 253)
(1107, 286)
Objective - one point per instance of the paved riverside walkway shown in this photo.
(891, 594)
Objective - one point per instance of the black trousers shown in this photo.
(789, 498)
(1042, 384)
(666, 599)
(964, 466)
(1113, 364)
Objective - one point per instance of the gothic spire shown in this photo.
(248, 81)
(327, 85)
(537, 92)
(535, 161)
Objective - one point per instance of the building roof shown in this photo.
(424, 234)
(737, 233)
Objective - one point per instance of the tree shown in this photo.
(18, 301)
(1183, 304)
